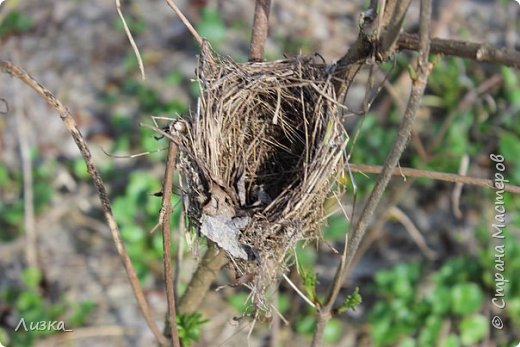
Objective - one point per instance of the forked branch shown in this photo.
(361, 224)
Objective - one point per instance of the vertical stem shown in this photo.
(73, 129)
(359, 228)
(260, 29)
(168, 270)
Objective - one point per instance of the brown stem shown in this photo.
(73, 129)
(376, 38)
(389, 26)
(166, 212)
(131, 39)
(260, 30)
(361, 224)
(185, 20)
(206, 272)
(475, 51)
(441, 176)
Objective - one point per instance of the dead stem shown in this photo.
(131, 39)
(440, 176)
(360, 226)
(166, 211)
(260, 30)
(469, 50)
(72, 127)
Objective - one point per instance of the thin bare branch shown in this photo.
(440, 176)
(376, 39)
(476, 51)
(186, 22)
(31, 244)
(412, 230)
(368, 39)
(361, 224)
(293, 286)
(260, 30)
(131, 39)
(457, 191)
(166, 211)
(72, 127)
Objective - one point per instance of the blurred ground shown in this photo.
(78, 50)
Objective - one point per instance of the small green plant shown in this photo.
(33, 309)
(351, 302)
(189, 326)
(137, 212)
(414, 305)
(15, 22)
(11, 193)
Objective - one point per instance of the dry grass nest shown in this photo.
(258, 159)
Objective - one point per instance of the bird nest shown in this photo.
(258, 159)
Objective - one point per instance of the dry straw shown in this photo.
(258, 159)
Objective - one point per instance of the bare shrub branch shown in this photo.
(260, 30)
(477, 51)
(131, 39)
(166, 211)
(186, 22)
(361, 224)
(205, 274)
(73, 129)
(440, 176)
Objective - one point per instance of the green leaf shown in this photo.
(306, 255)
(513, 309)
(440, 300)
(309, 283)
(351, 301)
(283, 303)
(473, 329)
(466, 298)
(79, 168)
(132, 233)
(31, 307)
(407, 342)
(430, 331)
(31, 277)
(509, 145)
(188, 326)
(451, 340)
(174, 77)
(239, 301)
(81, 312)
(511, 86)
(306, 325)
(4, 175)
(15, 22)
(124, 210)
(4, 336)
(411, 72)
